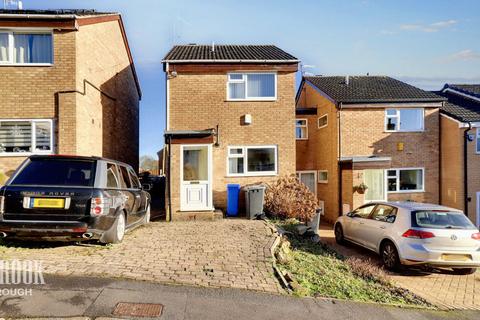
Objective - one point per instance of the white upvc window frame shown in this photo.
(299, 173)
(301, 126)
(33, 138)
(244, 155)
(477, 141)
(399, 119)
(245, 81)
(318, 175)
(318, 121)
(10, 32)
(397, 177)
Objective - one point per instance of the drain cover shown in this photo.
(138, 309)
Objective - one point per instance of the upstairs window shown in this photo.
(404, 120)
(301, 129)
(252, 86)
(26, 137)
(26, 48)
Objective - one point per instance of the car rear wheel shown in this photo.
(339, 237)
(147, 215)
(390, 257)
(464, 271)
(116, 232)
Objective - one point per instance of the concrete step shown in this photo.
(197, 215)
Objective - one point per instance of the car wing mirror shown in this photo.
(147, 187)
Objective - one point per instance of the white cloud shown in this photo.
(444, 24)
(387, 32)
(464, 55)
(432, 27)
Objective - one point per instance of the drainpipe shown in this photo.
(169, 144)
(167, 97)
(340, 186)
(466, 139)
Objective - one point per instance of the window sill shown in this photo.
(301, 138)
(263, 174)
(401, 131)
(406, 191)
(26, 64)
(23, 154)
(252, 100)
(323, 182)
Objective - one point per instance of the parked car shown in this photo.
(72, 198)
(409, 233)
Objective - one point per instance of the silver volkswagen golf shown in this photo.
(411, 233)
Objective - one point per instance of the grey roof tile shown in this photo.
(460, 107)
(241, 53)
(370, 89)
(471, 89)
(59, 12)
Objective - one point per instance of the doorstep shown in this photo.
(197, 215)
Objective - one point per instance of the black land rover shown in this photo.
(72, 198)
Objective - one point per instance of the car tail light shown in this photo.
(2, 204)
(99, 206)
(417, 234)
(476, 236)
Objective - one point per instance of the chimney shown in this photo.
(347, 80)
(213, 46)
(20, 5)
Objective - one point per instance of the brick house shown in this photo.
(68, 86)
(230, 119)
(460, 145)
(367, 130)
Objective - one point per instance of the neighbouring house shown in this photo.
(68, 86)
(366, 138)
(230, 119)
(460, 145)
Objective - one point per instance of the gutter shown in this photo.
(466, 199)
(229, 61)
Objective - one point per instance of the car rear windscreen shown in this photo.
(441, 220)
(57, 172)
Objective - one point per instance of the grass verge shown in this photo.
(322, 272)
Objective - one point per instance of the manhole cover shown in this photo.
(138, 309)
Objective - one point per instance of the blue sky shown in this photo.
(425, 43)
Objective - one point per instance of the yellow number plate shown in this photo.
(456, 257)
(48, 203)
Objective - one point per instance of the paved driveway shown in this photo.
(226, 253)
(440, 287)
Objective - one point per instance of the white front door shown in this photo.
(195, 178)
(375, 181)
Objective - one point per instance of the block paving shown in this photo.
(224, 253)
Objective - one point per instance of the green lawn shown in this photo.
(321, 272)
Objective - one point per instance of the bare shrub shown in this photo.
(288, 198)
(367, 269)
